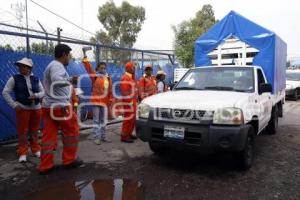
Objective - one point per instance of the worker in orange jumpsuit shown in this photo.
(58, 113)
(147, 84)
(101, 98)
(129, 96)
(28, 91)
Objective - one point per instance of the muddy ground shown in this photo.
(132, 171)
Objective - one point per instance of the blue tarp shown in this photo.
(7, 69)
(272, 50)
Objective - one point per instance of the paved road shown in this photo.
(121, 169)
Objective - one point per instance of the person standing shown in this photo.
(58, 113)
(129, 97)
(161, 84)
(147, 84)
(28, 91)
(101, 98)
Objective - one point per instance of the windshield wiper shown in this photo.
(219, 88)
(186, 88)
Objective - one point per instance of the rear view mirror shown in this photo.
(264, 88)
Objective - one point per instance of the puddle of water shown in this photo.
(117, 189)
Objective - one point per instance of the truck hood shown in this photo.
(196, 100)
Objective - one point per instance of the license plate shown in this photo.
(174, 132)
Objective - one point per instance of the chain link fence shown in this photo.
(40, 48)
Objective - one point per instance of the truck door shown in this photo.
(264, 101)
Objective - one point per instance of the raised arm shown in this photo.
(88, 67)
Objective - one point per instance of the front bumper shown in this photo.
(205, 138)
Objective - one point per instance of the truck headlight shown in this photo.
(143, 111)
(229, 116)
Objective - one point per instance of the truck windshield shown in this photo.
(293, 76)
(240, 79)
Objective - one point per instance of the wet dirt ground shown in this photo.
(131, 171)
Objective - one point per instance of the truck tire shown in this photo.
(273, 123)
(295, 96)
(156, 148)
(245, 157)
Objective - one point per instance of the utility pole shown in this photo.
(19, 8)
(58, 34)
(82, 22)
(27, 37)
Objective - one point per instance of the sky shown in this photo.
(280, 16)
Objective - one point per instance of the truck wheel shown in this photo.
(245, 157)
(273, 123)
(295, 97)
(156, 148)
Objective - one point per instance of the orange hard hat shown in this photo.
(129, 65)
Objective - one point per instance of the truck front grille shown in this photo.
(183, 115)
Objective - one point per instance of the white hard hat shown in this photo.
(25, 61)
(161, 72)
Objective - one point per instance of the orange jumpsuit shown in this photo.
(58, 113)
(102, 87)
(28, 121)
(147, 86)
(129, 93)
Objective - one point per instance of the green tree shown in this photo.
(121, 27)
(188, 31)
(42, 48)
(21, 48)
(6, 47)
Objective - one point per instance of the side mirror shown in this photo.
(264, 88)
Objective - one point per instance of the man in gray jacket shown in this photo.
(58, 113)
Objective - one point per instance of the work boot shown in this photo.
(106, 140)
(22, 159)
(97, 141)
(128, 140)
(76, 163)
(133, 137)
(48, 171)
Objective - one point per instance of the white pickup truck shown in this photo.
(212, 109)
(293, 84)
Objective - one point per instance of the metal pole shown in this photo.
(58, 34)
(173, 57)
(98, 56)
(142, 60)
(27, 37)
